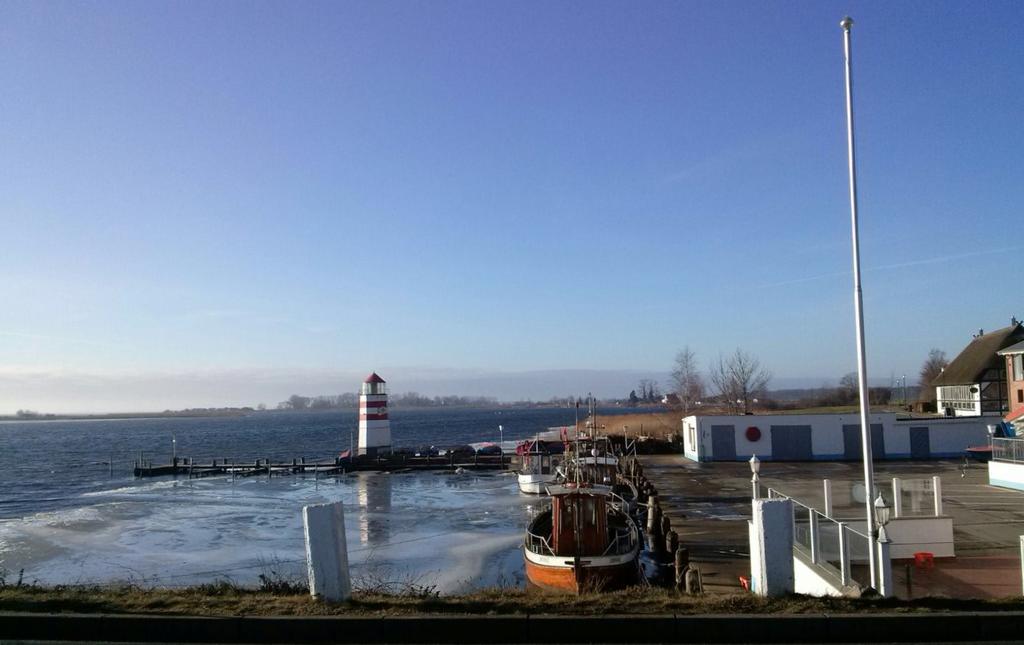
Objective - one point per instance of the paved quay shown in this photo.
(709, 505)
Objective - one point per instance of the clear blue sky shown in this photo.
(244, 187)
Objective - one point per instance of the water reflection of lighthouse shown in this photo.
(373, 492)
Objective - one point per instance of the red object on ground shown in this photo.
(753, 433)
(924, 560)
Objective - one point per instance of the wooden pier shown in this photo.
(398, 462)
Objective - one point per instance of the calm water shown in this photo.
(65, 518)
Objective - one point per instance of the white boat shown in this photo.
(538, 471)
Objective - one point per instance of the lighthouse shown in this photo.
(374, 427)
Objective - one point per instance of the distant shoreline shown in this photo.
(244, 412)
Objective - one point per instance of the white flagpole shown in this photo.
(858, 305)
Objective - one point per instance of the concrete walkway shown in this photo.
(709, 504)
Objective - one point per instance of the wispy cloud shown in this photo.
(897, 265)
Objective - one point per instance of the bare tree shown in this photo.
(930, 370)
(739, 379)
(849, 388)
(649, 392)
(686, 379)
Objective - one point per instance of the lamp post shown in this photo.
(501, 445)
(883, 512)
(755, 468)
(858, 305)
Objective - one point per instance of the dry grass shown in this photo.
(226, 600)
(652, 424)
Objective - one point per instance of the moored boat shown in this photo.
(538, 470)
(582, 542)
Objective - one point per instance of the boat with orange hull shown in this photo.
(582, 542)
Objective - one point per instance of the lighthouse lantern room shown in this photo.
(374, 427)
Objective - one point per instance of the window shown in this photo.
(1020, 396)
(1018, 367)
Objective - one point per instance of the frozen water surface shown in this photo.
(71, 511)
(452, 532)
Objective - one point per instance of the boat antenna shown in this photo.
(577, 418)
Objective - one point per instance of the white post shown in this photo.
(844, 555)
(885, 586)
(756, 486)
(326, 551)
(897, 497)
(828, 497)
(771, 547)
(1022, 563)
(937, 488)
(858, 306)
(815, 538)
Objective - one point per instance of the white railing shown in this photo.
(1007, 449)
(910, 497)
(829, 544)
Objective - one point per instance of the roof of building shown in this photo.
(1013, 349)
(373, 378)
(979, 356)
(1013, 415)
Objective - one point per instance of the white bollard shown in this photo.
(897, 497)
(828, 497)
(326, 551)
(937, 487)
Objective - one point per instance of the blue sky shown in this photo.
(237, 189)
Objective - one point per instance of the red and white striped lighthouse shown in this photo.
(374, 427)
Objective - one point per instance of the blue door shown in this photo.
(723, 443)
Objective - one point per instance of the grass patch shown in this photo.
(223, 599)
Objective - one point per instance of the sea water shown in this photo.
(67, 516)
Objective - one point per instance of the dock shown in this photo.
(397, 462)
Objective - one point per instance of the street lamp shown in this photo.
(755, 468)
(501, 445)
(882, 514)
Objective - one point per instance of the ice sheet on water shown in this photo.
(447, 531)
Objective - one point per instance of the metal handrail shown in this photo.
(534, 541)
(631, 537)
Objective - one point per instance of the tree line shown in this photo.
(738, 382)
(349, 400)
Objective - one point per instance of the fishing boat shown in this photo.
(582, 542)
(538, 470)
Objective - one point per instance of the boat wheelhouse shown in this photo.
(539, 470)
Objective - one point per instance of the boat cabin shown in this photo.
(579, 521)
(537, 462)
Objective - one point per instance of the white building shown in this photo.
(836, 437)
(974, 383)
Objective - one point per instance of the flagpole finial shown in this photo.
(846, 23)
